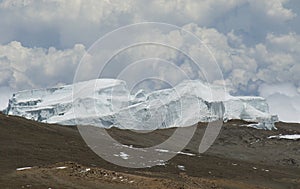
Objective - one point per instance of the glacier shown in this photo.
(108, 103)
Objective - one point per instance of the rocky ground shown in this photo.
(53, 156)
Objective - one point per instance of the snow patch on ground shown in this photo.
(181, 167)
(122, 155)
(162, 150)
(63, 167)
(289, 137)
(179, 153)
(187, 154)
(23, 168)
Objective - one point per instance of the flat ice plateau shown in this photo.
(108, 103)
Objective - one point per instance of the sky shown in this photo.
(255, 42)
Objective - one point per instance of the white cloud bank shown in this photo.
(254, 43)
(25, 68)
(284, 100)
(63, 23)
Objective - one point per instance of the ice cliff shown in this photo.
(108, 102)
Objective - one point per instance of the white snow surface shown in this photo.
(108, 103)
(63, 167)
(23, 168)
(290, 137)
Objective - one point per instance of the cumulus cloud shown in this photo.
(26, 68)
(5, 95)
(283, 100)
(244, 68)
(63, 23)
